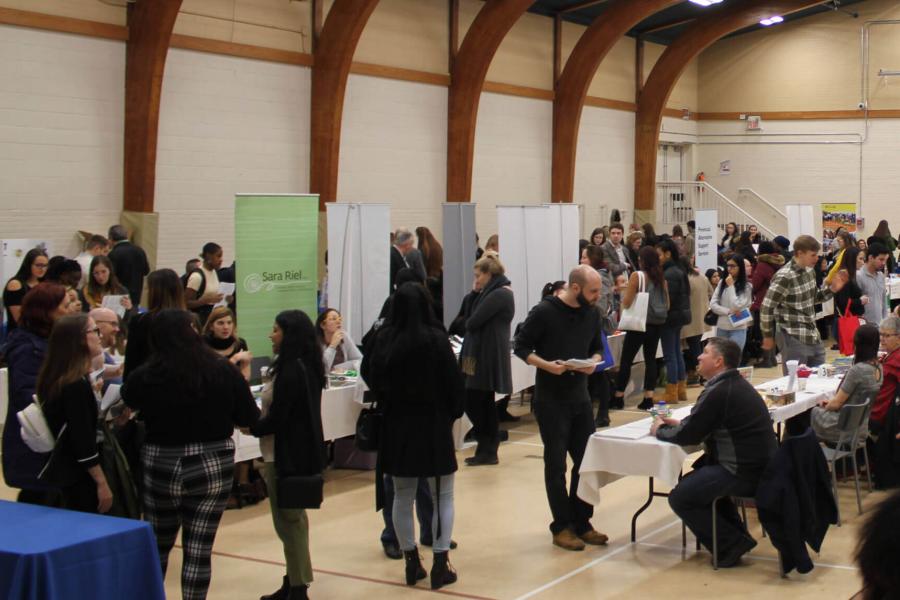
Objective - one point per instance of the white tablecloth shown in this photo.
(4, 394)
(630, 450)
(340, 409)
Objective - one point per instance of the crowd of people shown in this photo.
(76, 326)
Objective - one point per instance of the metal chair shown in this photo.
(850, 420)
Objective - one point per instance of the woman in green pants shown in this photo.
(290, 432)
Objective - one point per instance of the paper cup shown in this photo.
(801, 383)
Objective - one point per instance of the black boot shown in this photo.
(646, 403)
(282, 592)
(602, 419)
(486, 454)
(298, 592)
(617, 402)
(414, 569)
(442, 572)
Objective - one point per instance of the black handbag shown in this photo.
(368, 428)
(710, 318)
(300, 491)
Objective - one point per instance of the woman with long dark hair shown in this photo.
(164, 290)
(70, 406)
(731, 232)
(290, 432)
(31, 272)
(337, 347)
(650, 237)
(679, 315)
(25, 350)
(883, 233)
(598, 236)
(485, 355)
(733, 295)
(102, 281)
(851, 294)
(862, 381)
(648, 278)
(190, 400)
(415, 375)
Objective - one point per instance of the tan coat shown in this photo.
(700, 292)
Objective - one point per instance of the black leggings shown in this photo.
(634, 340)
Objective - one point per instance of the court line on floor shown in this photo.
(593, 563)
(526, 444)
(349, 576)
(679, 549)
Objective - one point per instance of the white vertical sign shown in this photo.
(459, 255)
(707, 231)
(358, 263)
(801, 221)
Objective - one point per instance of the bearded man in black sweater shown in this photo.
(556, 330)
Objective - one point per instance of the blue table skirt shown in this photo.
(48, 553)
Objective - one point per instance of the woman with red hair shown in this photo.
(25, 351)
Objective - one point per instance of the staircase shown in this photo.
(676, 202)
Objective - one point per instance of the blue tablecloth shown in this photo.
(50, 553)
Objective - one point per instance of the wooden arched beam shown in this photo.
(470, 68)
(331, 67)
(699, 36)
(572, 88)
(150, 26)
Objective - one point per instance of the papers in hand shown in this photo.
(114, 302)
(580, 363)
(226, 289)
(110, 396)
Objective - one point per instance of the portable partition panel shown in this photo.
(538, 244)
(459, 255)
(358, 263)
(801, 221)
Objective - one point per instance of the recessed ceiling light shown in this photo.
(706, 2)
(771, 21)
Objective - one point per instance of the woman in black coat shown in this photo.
(679, 315)
(291, 440)
(412, 370)
(485, 355)
(69, 402)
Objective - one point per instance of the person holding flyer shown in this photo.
(731, 301)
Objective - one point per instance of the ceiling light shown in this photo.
(771, 21)
(706, 2)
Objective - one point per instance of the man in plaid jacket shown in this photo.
(788, 310)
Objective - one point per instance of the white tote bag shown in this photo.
(634, 318)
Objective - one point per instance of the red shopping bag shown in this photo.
(847, 326)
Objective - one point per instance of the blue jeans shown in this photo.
(671, 344)
(424, 512)
(405, 489)
(739, 336)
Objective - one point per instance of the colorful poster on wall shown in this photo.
(837, 217)
(276, 241)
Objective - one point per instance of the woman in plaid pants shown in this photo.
(190, 400)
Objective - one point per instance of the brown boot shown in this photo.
(594, 538)
(682, 390)
(671, 394)
(567, 540)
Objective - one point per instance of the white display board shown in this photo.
(358, 263)
(538, 244)
(459, 255)
(707, 235)
(801, 221)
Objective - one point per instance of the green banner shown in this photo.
(275, 250)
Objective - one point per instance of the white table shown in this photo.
(340, 409)
(630, 450)
(4, 394)
(893, 285)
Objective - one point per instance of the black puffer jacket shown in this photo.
(679, 295)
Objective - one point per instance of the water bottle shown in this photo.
(662, 409)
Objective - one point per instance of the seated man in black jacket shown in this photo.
(732, 422)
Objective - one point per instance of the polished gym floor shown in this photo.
(504, 543)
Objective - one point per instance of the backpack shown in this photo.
(202, 289)
(35, 430)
